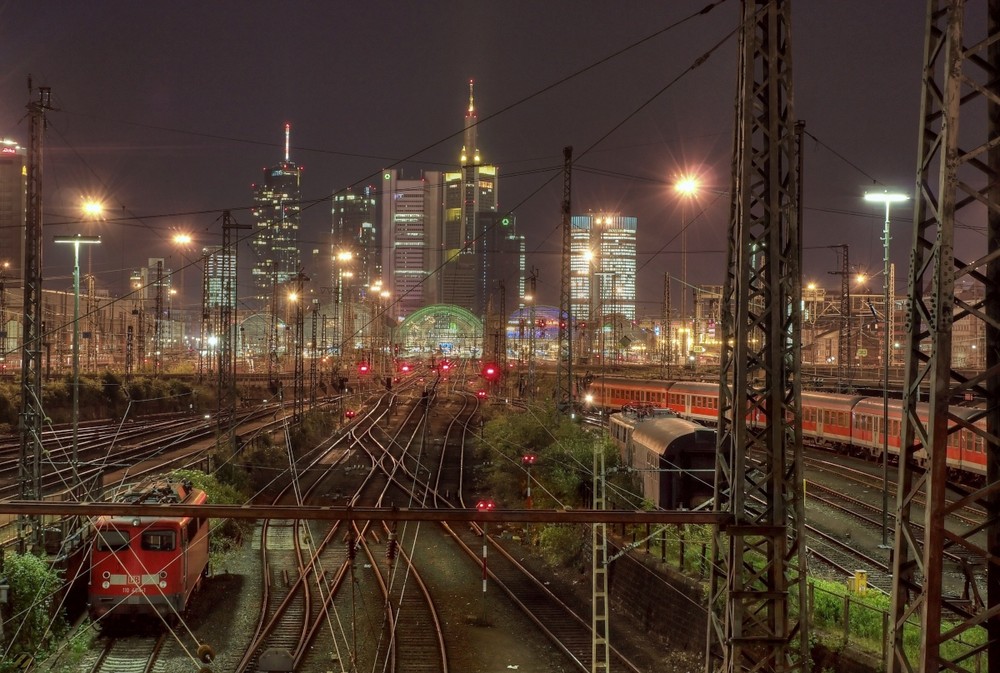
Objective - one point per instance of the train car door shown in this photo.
(184, 551)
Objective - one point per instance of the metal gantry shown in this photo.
(757, 592)
(298, 383)
(226, 329)
(953, 183)
(564, 368)
(32, 414)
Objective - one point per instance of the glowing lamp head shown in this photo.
(92, 208)
(885, 197)
(687, 186)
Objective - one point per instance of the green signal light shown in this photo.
(387, 176)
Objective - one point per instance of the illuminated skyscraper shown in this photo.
(275, 241)
(603, 265)
(470, 194)
(355, 244)
(13, 194)
(219, 265)
(410, 223)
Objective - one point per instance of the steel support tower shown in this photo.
(666, 349)
(314, 349)
(32, 414)
(844, 352)
(298, 386)
(158, 321)
(564, 369)
(226, 329)
(757, 590)
(953, 184)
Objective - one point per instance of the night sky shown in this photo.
(169, 111)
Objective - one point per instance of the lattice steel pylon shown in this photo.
(957, 78)
(32, 414)
(757, 592)
(564, 368)
(298, 383)
(226, 332)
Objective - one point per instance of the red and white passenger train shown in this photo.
(148, 565)
(852, 424)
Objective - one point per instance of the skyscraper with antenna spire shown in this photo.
(470, 201)
(275, 240)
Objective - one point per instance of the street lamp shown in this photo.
(76, 241)
(688, 187)
(888, 198)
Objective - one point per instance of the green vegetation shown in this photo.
(105, 395)
(561, 476)
(28, 615)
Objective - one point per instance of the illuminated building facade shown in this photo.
(602, 265)
(218, 266)
(355, 243)
(470, 198)
(13, 195)
(410, 224)
(275, 241)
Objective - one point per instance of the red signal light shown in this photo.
(349, 413)
(481, 394)
(362, 367)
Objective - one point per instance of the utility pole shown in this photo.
(532, 280)
(158, 321)
(91, 335)
(758, 615)
(665, 328)
(313, 370)
(564, 371)
(30, 418)
(226, 333)
(844, 352)
(298, 405)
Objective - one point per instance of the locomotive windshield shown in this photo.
(158, 540)
(111, 539)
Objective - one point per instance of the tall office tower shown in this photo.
(602, 265)
(410, 226)
(276, 212)
(13, 192)
(469, 194)
(356, 248)
(218, 266)
(503, 258)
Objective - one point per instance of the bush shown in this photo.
(29, 611)
(561, 544)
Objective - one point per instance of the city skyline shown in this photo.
(147, 145)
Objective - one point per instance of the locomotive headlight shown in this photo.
(105, 584)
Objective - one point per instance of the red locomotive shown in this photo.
(148, 565)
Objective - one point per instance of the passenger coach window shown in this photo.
(158, 540)
(111, 540)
